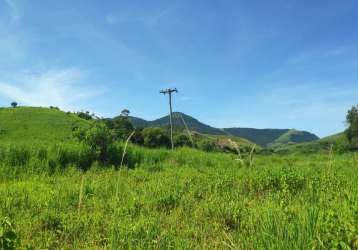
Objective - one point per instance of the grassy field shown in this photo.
(159, 199)
(24, 125)
(185, 199)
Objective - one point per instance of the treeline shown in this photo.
(121, 129)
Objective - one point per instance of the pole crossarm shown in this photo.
(168, 91)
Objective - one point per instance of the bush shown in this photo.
(98, 138)
(352, 131)
(8, 236)
(155, 137)
(137, 137)
(85, 115)
(181, 140)
(206, 145)
(79, 155)
(121, 127)
(65, 155)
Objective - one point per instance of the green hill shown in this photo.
(294, 136)
(36, 125)
(45, 125)
(192, 123)
(262, 137)
(339, 143)
(272, 137)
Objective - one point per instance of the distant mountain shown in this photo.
(262, 137)
(272, 137)
(192, 123)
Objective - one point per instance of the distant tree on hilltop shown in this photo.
(352, 121)
(125, 113)
(14, 104)
(85, 115)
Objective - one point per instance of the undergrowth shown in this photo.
(61, 197)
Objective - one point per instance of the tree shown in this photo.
(98, 137)
(121, 127)
(125, 113)
(352, 122)
(85, 115)
(14, 104)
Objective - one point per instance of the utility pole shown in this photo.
(169, 92)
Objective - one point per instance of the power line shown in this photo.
(169, 92)
(187, 129)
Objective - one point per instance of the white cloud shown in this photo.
(62, 88)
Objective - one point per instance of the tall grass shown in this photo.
(186, 199)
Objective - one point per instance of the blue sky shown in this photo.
(263, 64)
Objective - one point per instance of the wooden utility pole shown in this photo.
(169, 92)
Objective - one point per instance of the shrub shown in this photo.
(8, 236)
(155, 137)
(65, 155)
(85, 115)
(121, 127)
(98, 138)
(115, 152)
(206, 145)
(181, 140)
(352, 131)
(137, 137)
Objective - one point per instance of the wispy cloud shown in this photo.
(62, 88)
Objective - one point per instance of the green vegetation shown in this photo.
(223, 143)
(352, 131)
(37, 125)
(338, 143)
(183, 199)
(262, 137)
(178, 117)
(272, 137)
(72, 183)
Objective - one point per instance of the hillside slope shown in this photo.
(36, 125)
(272, 137)
(339, 143)
(262, 137)
(192, 123)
